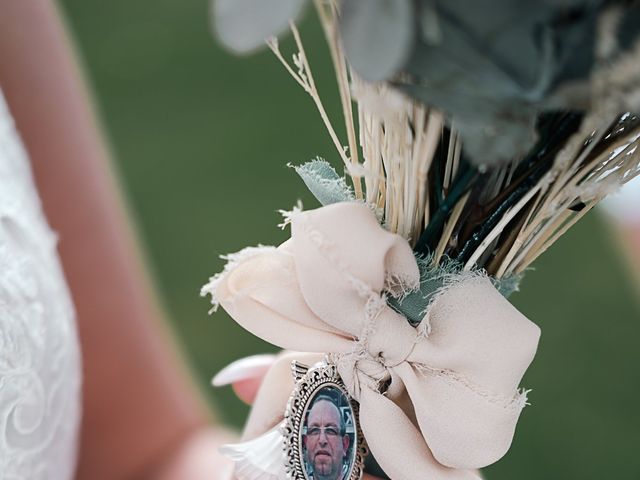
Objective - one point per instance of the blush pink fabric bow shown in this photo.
(436, 401)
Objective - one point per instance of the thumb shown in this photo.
(245, 375)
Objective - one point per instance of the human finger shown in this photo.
(245, 375)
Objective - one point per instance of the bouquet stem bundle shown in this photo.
(410, 165)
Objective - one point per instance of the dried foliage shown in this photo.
(410, 165)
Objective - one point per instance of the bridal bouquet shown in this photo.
(475, 137)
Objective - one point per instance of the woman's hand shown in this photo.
(198, 458)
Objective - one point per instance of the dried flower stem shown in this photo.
(305, 79)
(554, 217)
(497, 230)
(536, 252)
(449, 226)
(529, 206)
(329, 25)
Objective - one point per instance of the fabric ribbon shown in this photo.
(436, 401)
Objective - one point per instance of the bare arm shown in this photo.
(622, 211)
(142, 419)
(628, 237)
(139, 405)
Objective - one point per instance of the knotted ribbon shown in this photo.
(436, 401)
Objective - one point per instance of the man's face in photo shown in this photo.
(325, 443)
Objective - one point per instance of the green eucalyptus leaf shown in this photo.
(492, 66)
(377, 35)
(243, 25)
(324, 182)
(499, 137)
(414, 305)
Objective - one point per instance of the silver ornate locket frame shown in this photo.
(313, 385)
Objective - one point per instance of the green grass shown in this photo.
(201, 140)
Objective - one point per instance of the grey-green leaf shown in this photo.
(414, 305)
(377, 35)
(243, 25)
(324, 182)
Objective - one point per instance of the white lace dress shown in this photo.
(39, 355)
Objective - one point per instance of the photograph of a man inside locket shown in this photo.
(328, 436)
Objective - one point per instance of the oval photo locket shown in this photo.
(321, 432)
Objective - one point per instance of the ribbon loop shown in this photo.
(452, 394)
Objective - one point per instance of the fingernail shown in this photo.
(243, 369)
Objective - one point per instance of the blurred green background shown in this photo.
(202, 139)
